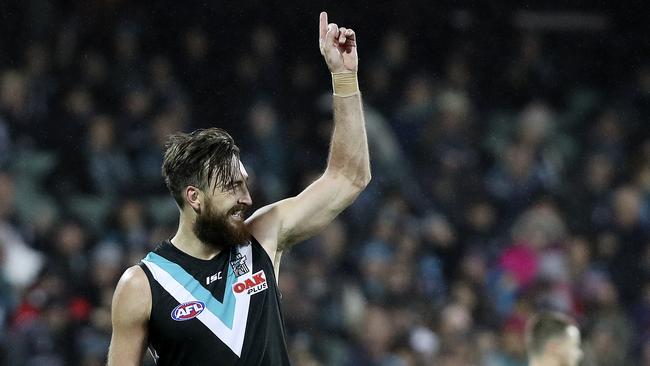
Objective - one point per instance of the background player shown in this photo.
(553, 339)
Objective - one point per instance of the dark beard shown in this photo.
(218, 231)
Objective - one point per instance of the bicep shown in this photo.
(315, 207)
(297, 218)
(130, 313)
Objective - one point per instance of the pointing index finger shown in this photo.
(322, 26)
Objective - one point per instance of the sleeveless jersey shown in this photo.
(222, 311)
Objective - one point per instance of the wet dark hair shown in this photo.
(196, 158)
(544, 327)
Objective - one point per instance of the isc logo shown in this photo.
(187, 310)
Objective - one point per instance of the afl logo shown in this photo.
(187, 310)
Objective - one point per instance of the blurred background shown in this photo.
(511, 169)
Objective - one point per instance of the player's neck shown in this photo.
(186, 241)
(542, 361)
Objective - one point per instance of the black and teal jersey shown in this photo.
(222, 311)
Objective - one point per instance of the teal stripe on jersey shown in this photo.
(224, 311)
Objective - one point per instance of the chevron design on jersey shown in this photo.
(226, 319)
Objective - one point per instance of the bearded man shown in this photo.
(209, 295)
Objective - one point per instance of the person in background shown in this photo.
(553, 339)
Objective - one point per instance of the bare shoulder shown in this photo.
(264, 220)
(133, 279)
(132, 296)
(130, 313)
(264, 225)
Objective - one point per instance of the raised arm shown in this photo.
(130, 313)
(348, 167)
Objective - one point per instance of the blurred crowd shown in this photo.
(511, 173)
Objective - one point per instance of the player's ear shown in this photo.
(193, 198)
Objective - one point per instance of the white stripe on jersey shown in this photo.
(233, 338)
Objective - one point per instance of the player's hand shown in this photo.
(338, 46)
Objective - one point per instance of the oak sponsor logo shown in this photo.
(187, 310)
(252, 285)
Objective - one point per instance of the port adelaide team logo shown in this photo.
(238, 265)
(187, 310)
